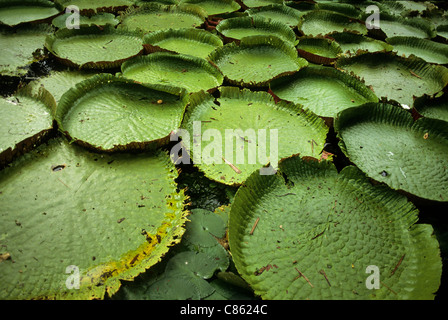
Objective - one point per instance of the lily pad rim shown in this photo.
(153, 57)
(73, 94)
(251, 42)
(108, 29)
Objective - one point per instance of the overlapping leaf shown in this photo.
(96, 219)
(94, 47)
(257, 60)
(184, 71)
(310, 232)
(247, 131)
(323, 90)
(405, 154)
(109, 113)
(395, 77)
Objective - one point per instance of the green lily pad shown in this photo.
(86, 6)
(241, 27)
(442, 31)
(109, 113)
(432, 107)
(394, 26)
(250, 121)
(309, 232)
(260, 3)
(15, 12)
(26, 119)
(224, 290)
(277, 12)
(214, 7)
(154, 17)
(94, 47)
(436, 15)
(405, 154)
(301, 6)
(395, 77)
(184, 71)
(76, 223)
(257, 60)
(323, 90)
(184, 278)
(403, 8)
(352, 43)
(346, 9)
(319, 50)
(428, 50)
(323, 22)
(59, 82)
(195, 42)
(20, 48)
(165, 2)
(203, 230)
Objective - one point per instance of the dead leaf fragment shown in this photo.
(4, 256)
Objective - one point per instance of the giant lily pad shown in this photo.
(154, 17)
(264, 132)
(310, 232)
(260, 3)
(19, 49)
(346, 9)
(301, 6)
(257, 60)
(26, 119)
(436, 15)
(94, 47)
(394, 26)
(428, 50)
(277, 12)
(15, 12)
(323, 90)
(86, 6)
(395, 77)
(352, 43)
(196, 42)
(389, 146)
(193, 74)
(432, 107)
(214, 7)
(240, 27)
(165, 2)
(59, 82)
(403, 8)
(442, 31)
(109, 113)
(318, 50)
(322, 22)
(75, 223)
